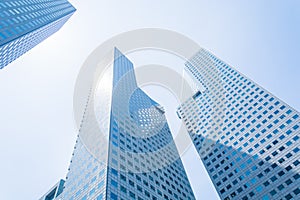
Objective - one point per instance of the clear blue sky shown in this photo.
(260, 39)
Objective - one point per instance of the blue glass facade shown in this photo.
(26, 23)
(142, 159)
(247, 138)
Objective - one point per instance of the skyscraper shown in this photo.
(247, 138)
(136, 158)
(26, 23)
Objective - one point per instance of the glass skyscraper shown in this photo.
(26, 23)
(247, 138)
(137, 158)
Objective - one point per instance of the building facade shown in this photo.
(247, 138)
(137, 159)
(54, 192)
(26, 23)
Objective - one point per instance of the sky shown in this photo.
(260, 39)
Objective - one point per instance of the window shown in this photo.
(92, 192)
(114, 172)
(84, 198)
(288, 155)
(259, 188)
(282, 107)
(100, 184)
(114, 183)
(260, 175)
(275, 142)
(113, 196)
(296, 150)
(131, 183)
(273, 192)
(273, 178)
(281, 173)
(296, 191)
(240, 190)
(131, 194)
(123, 189)
(288, 168)
(280, 187)
(288, 182)
(266, 183)
(265, 197)
(288, 197)
(100, 197)
(296, 176)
